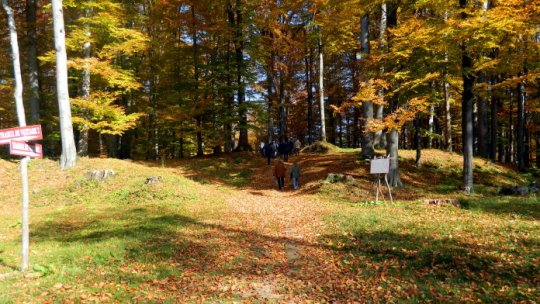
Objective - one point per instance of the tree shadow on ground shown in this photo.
(184, 257)
(526, 208)
(442, 268)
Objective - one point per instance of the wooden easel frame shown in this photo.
(380, 167)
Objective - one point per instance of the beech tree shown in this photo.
(69, 152)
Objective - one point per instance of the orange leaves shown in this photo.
(401, 116)
(370, 92)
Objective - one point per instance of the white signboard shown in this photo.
(380, 166)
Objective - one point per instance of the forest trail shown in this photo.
(270, 246)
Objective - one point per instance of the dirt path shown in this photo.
(267, 247)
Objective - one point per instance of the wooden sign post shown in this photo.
(17, 139)
(380, 167)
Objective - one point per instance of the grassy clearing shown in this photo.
(213, 231)
(424, 253)
(99, 241)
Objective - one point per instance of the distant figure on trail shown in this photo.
(279, 173)
(297, 146)
(282, 149)
(261, 148)
(289, 149)
(269, 151)
(295, 175)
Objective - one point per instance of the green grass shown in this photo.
(488, 251)
(117, 240)
(120, 233)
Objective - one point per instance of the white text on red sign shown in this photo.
(23, 149)
(28, 133)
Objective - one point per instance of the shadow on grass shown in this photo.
(442, 266)
(528, 208)
(175, 244)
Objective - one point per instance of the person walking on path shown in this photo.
(295, 174)
(279, 173)
(269, 151)
(297, 146)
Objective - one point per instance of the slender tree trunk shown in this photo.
(127, 137)
(321, 91)
(521, 151)
(282, 116)
(85, 89)
(33, 66)
(18, 96)
(198, 118)
(69, 151)
(379, 138)
(431, 125)
(243, 140)
(309, 90)
(510, 152)
(270, 99)
(447, 106)
(537, 141)
(482, 127)
(417, 141)
(200, 150)
(392, 139)
(367, 151)
(229, 97)
(494, 127)
(467, 113)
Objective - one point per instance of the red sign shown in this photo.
(23, 149)
(27, 133)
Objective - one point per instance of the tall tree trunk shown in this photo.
(127, 138)
(198, 118)
(417, 144)
(282, 115)
(243, 140)
(229, 96)
(69, 151)
(379, 138)
(18, 96)
(200, 150)
(270, 99)
(447, 105)
(521, 151)
(537, 140)
(467, 112)
(33, 66)
(494, 127)
(431, 125)
(482, 110)
(367, 151)
(482, 127)
(392, 139)
(85, 88)
(510, 149)
(321, 91)
(309, 90)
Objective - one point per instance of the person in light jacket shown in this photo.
(294, 173)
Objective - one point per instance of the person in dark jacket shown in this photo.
(279, 173)
(269, 151)
(289, 149)
(282, 149)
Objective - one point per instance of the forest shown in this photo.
(174, 79)
(151, 117)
